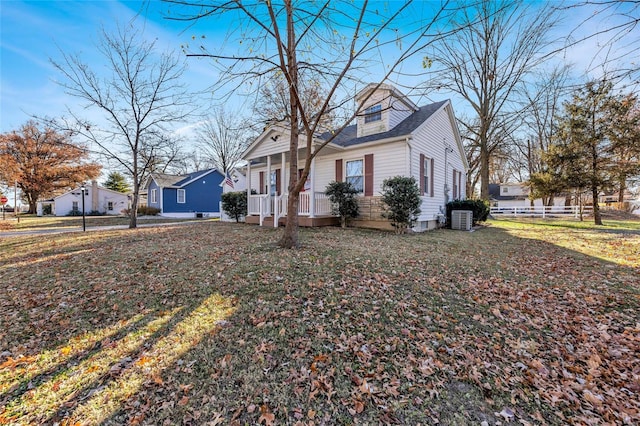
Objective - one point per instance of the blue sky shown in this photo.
(34, 31)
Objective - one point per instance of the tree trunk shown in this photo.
(597, 219)
(484, 170)
(623, 187)
(33, 202)
(133, 211)
(290, 237)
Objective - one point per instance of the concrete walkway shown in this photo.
(50, 231)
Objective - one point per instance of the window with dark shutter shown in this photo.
(338, 170)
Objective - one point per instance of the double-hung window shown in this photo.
(181, 196)
(110, 206)
(355, 174)
(426, 176)
(154, 196)
(373, 113)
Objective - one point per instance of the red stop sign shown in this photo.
(3, 200)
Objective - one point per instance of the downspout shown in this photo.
(447, 149)
(409, 154)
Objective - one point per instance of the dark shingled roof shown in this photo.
(494, 194)
(165, 180)
(348, 137)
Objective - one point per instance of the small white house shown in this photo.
(515, 195)
(96, 199)
(392, 137)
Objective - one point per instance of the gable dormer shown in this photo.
(381, 109)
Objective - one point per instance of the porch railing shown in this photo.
(265, 205)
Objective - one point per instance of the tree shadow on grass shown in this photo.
(131, 276)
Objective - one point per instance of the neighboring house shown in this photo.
(508, 195)
(392, 137)
(196, 194)
(96, 199)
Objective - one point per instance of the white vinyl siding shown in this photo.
(431, 139)
(398, 112)
(182, 196)
(388, 161)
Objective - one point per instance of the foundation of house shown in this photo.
(304, 221)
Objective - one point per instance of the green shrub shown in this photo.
(234, 204)
(95, 213)
(343, 200)
(479, 208)
(401, 196)
(74, 212)
(148, 211)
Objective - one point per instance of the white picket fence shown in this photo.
(541, 211)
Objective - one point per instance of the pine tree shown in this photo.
(117, 182)
(583, 151)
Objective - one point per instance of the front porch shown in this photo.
(271, 210)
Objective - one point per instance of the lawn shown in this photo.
(211, 323)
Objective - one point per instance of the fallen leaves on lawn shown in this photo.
(355, 327)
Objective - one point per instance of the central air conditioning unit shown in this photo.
(461, 219)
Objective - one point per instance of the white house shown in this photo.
(392, 137)
(96, 199)
(509, 195)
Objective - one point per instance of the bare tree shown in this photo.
(614, 25)
(336, 43)
(223, 137)
(485, 63)
(140, 97)
(544, 95)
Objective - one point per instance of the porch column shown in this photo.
(284, 183)
(312, 189)
(248, 181)
(268, 177)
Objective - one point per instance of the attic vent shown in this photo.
(461, 219)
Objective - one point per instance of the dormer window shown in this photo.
(373, 113)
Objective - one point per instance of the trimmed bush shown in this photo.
(148, 211)
(343, 200)
(479, 208)
(401, 196)
(234, 204)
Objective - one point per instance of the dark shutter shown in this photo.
(261, 188)
(278, 190)
(338, 170)
(455, 184)
(422, 188)
(431, 178)
(368, 175)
